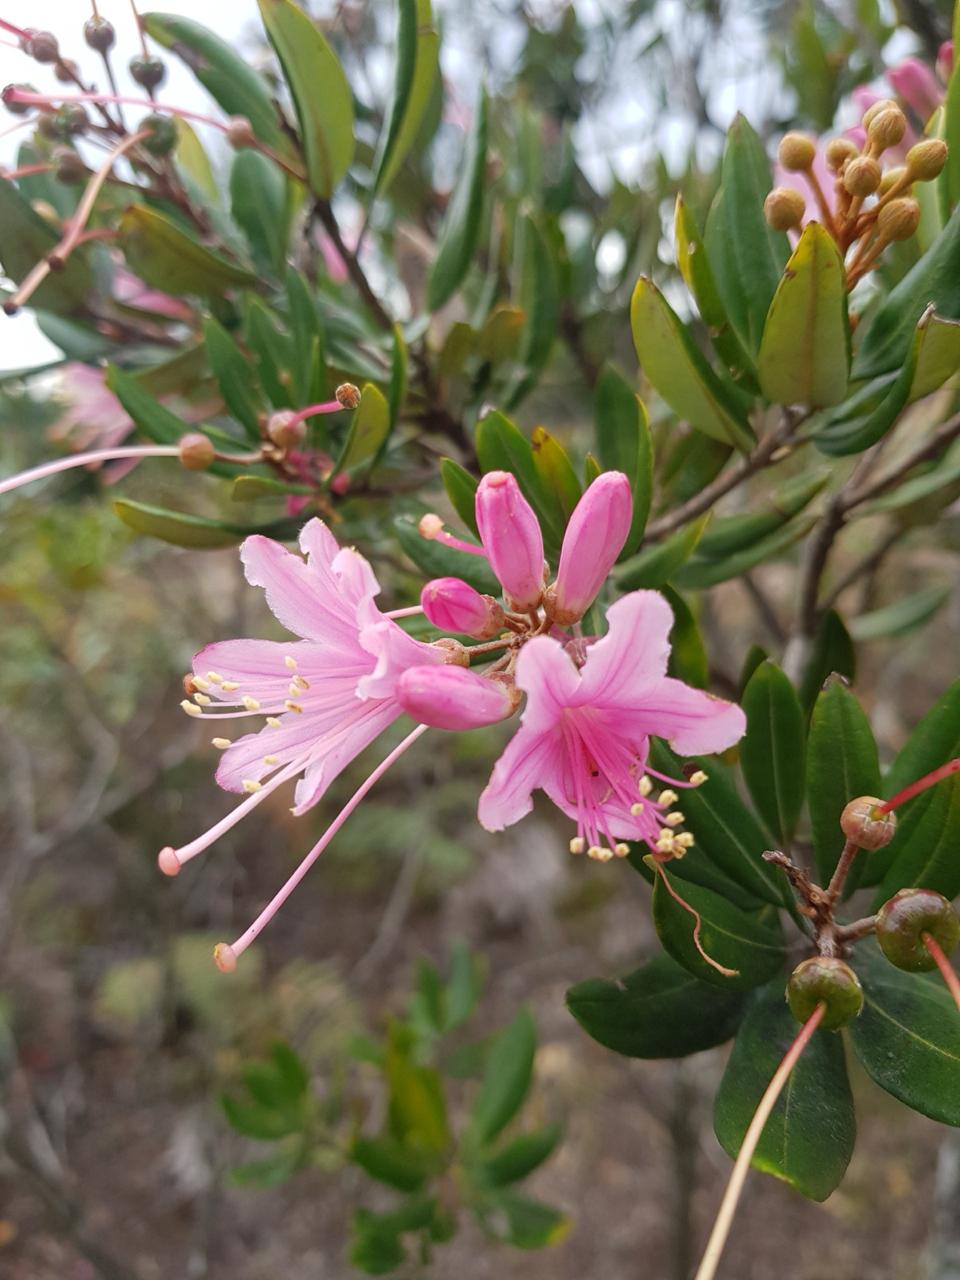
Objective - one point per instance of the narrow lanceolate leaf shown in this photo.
(810, 1136)
(417, 69)
(556, 472)
(25, 238)
(901, 617)
(540, 302)
(935, 740)
(167, 258)
(232, 372)
(805, 349)
(698, 275)
(368, 432)
(319, 89)
(518, 1158)
(658, 1011)
(658, 564)
(677, 369)
(258, 205)
(842, 763)
(506, 1078)
(908, 1036)
(747, 256)
(688, 655)
(772, 751)
(461, 488)
(184, 530)
(707, 571)
(730, 534)
(748, 943)
(832, 651)
(624, 444)
(461, 226)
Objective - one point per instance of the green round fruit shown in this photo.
(828, 979)
(163, 134)
(149, 72)
(902, 922)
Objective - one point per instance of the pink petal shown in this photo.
(693, 722)
(528, 760)
(551, 682)
(299, 597)
(632, 657)
(394, 651)
(340, 747)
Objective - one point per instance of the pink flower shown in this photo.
(131, 290)
(325, 696)
(93, 417)
(916, 84)
(585, 732)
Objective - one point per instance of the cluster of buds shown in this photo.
(861, 203)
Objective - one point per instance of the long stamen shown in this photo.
(714, 964)
(431, 528)
(728, 1206)
(14, 31)
(227, 954)
(947, 971)
(83, 459)
(412, 612)
(914, 789)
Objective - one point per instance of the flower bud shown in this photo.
(347, 395)
(453, 605)
(882, 104)
(868, 829)
(42, 46)
(147, 71)
(945, 61)
(511, 537)
(196, 451)
(594, 538)
(861, 176)
(240, 133)
(899, 219)
(917, 86)
(902, 922)
(99, 34)
(926, 159)
(891, 178)
(796, 152)
(839, 151)
(827, 979)
(285, 429)
(453, 698)
(887, 128)
(784, 208)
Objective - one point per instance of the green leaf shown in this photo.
(274, 353)
(250, 488)
(389, 1162)
(810, 1136)
(368, 432)
(256, 1121)
(805, 350)
(675, 366)
(707, 571)
(832, 652)
(924, 851)
(258, 204)
(319, 89)
(438, 561)
(234, 375)
(501, 446)
(518, 1158)
(751, 943)
(725, 829)
(290, 1067)
(463, 986)
(502, 333)
(729, 534)
(934, 280)
(688, 655)
(461, 489)
(194, 163)
(902, 617)
(417, 1107)
(26, 238)
(698, 275)
(908, 1036)
(842, 763)
(374, 1252)
(658, 1011)
(658, 564)
(163, 255)
(461, 226)
(308, 341)
(506, 1079)
(178, 527)
(527, 1223)
(747, 256)
(397, 391)
(540, 303)
(624, 444)
(228, 78)
(557, 476)
(772, 751)
(417, 73)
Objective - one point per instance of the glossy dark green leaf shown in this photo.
(273, 350)
(724, 828)
(399, 369)
(707, 571)
(461, 226)
(557, 476)
(935, 279)
(320, 91)
(901, 617)
(908, 1036)
(756, 654)
(832, 651)
(518, 1158)
(368, 432)
(25, 238)
(506, 1079)
(227, 76)
(387, 1161)
(258, 204)
(659, 563)
(250, 488)
(677, 369)
(810, 1136)
(235, 376)
(805, 350)
(747, 256)
(540, 303)
(658, 1011)
(167, 258)
(526, 1223)
(772, 750)
(461, 489)
(416, 76)
(729, 534)
(438, 561)
(688, 654)
(842, 763)
(624, 444)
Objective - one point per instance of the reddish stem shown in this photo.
(914, 789)
(947, 971)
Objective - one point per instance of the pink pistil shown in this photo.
(698, 925)
(84, 459)
(914, 789)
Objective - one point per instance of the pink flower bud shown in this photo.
(916, 84)
(511, 537)
(453, 605)
(454, 698)
(594, 538)
(945, 61)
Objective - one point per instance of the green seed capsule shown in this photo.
(902, 922)
(828, 979)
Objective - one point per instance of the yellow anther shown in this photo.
(644, 786)
(201, 683)
(636, 809)
(215, 677)
(290, 663)
(577, 844)
(301, 683)
(675, 819)
(191, 708)
(684, 839)
(293, 689)
(271, 760)
(667, 798)
(293, 706)
(230, 685)
(221, 743)
(665, 841)
(698, 779)
(621, 849)
(250, 703)
(202, 698)
(678, 850)
(251, 785)
(273, 722)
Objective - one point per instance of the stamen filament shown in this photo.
(83, 459)
(714, 964)
(947, 971)
(412, 612)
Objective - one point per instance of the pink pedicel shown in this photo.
(453, 605)
(511, 537)
(594, 538)
(454, 698)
